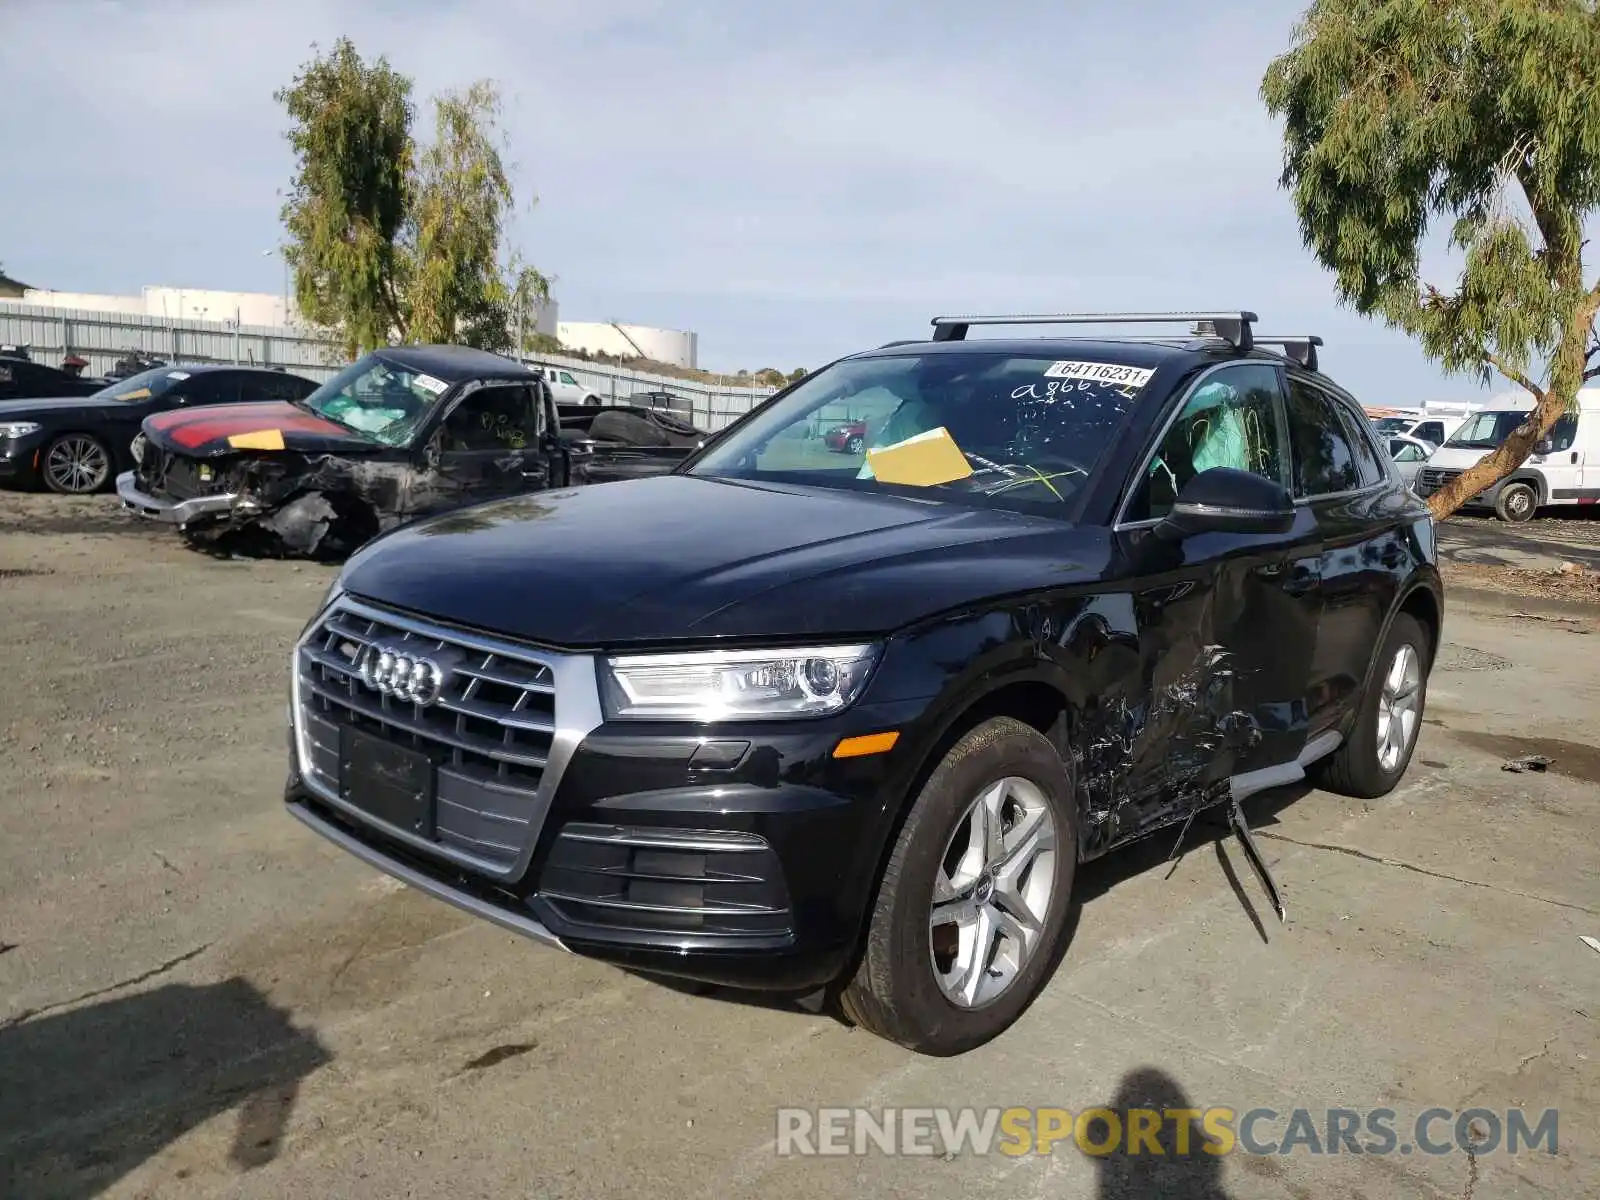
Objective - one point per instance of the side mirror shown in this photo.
(1544, 446)
(1226, 500)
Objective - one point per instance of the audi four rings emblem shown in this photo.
(402, 673)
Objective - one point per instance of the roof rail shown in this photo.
(900, 342)
(1234, 327)
(1302, 347)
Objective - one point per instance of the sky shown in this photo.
(791, 181)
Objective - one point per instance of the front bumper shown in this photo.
(19, 458)
(177, 512)
(746, 856)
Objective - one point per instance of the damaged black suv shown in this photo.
(787, 720)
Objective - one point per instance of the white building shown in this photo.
(204, 304)
(675, 346)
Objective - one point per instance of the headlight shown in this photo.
(732, 685)
(18, 429)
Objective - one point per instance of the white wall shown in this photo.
(679, 347)
(133, 305)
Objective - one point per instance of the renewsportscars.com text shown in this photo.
(1170, 1131)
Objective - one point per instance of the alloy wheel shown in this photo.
(1398, 707)
(992, 892)
(77, 463)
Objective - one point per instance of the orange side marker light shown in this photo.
(867, 743)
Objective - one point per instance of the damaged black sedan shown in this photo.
(404, 432)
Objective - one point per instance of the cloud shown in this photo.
(790, 181)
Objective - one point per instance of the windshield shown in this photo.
(1486, 430)
(1388, 425)
(144, 385)
(974, 425)
(379, 400)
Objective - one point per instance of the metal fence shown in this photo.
(104, 337)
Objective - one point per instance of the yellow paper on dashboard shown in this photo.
(926, 460)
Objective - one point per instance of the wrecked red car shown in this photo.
(403, 433)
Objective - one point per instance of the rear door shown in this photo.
(1227, 623)
(1364, 521)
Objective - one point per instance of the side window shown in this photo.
(1431, 431)
(1368, 458)
(270, 385)
(1563, 433)
(566, 377)
(1319, 444)
(1229, 420)
(1403, 451)
(492, 418)
(210, 387)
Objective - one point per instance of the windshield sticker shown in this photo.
(926, 460)
(429, 384)
(1100, 372)
(136, 394)
(179, 375)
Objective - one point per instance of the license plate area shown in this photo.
(392, 783)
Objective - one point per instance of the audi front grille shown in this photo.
(483, 713)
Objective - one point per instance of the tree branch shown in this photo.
(1514, 375)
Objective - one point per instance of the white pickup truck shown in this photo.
(566, 388)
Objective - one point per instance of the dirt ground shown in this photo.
(200, 998)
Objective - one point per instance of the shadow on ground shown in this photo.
(92, 1093)
(1170, 1161)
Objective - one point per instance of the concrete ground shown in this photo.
(200, 998)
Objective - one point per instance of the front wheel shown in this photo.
(76, 464)
(1375, 756)
(854, 445)
(972, 910)
(1516, 503)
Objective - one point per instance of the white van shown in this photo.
(1563, 469)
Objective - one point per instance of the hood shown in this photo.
(209, 431)
(1455, 457)
(21, 410)
(676, 557)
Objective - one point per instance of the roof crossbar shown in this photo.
(1302, 347)
(1234, 327)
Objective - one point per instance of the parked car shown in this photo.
(564, 386)
(77, 444)
(402, 433)
(22, 378)
(1409, 454)
(848, 438)
(1564, 468)
(828, 724)
(1432, 429)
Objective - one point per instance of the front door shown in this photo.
(487, 446)
(1227, 626)
(1562, 465)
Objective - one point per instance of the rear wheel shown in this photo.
(1375, 756)
(76, 464)
(854, 445)
(1516, 502)
(972, 910)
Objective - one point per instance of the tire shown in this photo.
(1516, 503)
(1358, 768)
(627, 428)
(896, 991)
(75, 464)
(854, 445)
